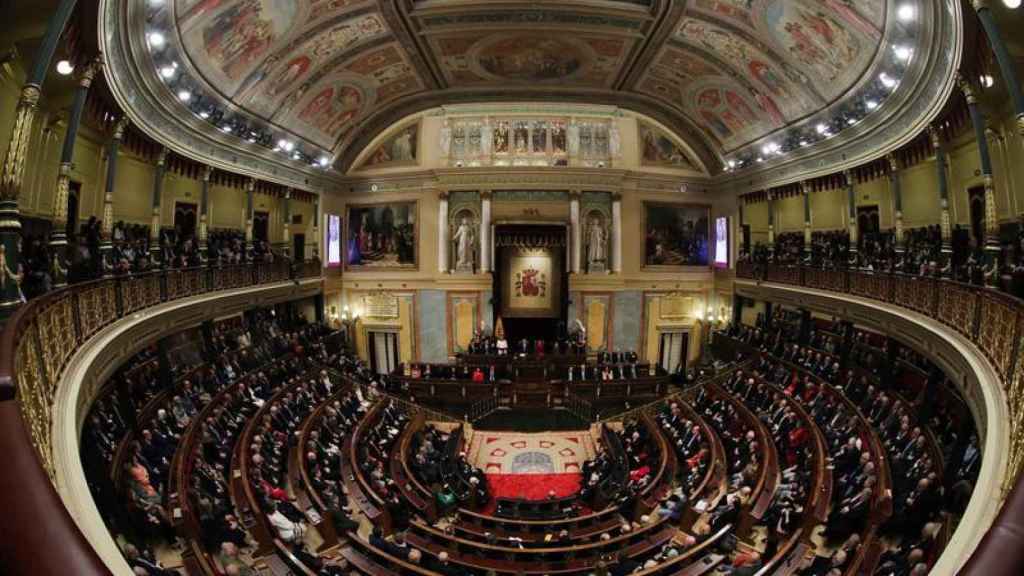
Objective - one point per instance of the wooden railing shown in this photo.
(36, 343)
(994, 322)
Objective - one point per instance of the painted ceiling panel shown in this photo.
(731, 71)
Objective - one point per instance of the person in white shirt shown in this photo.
(286, 529)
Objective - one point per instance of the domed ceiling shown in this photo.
(325, 76)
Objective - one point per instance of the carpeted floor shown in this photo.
(533, 486)
(529, 466)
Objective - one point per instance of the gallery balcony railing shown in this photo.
(993, 321)
(36, 343)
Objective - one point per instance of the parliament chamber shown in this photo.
(505, 287)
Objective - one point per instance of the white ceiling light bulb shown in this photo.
(64, 68)
(167, 72)
(1011, 4)
(906, 12)
(324, 161)
(987, 80)
(871, 104)
(821, 128)
(902, 52)
(156, 39)
(184, 95)
(886, 80)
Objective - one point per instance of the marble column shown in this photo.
(107, 224)
(58, 234)
(443, 233)
(13, 170)
(1007, 66)
(485, 231)
(805, 189)
(991, 213)
(250, 193)
(204, 200)
(617, 233)
(576, 241)
(945, 222)
(851, 210)
(286, 228)
(771, 221)
(158, 188)
(897, 199)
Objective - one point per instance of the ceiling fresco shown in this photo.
(721, 73)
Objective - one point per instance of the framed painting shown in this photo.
(400, 149)
(675, 235)
(381, 236)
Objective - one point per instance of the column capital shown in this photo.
(250, 184)
(207, 172)
(120, 127)
(848, 176)
(161, 158)
(967, 88)
(993, 133)
(486, 194)
(805, 187)
(288, 193)
(89, 71)
(616, 197)
(442, 195)
(574, 195)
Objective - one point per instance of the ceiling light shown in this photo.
(204, 114)
(759, 159)
(156, 40)
(886, 80)
(64, 68)
(167, 72)
(906, 12)
(902, 52)
(871, 104)
(184, 95)
(987, 80)
(226, 128)
(851, 121)
(821, 128)
(324, 161)
(732, 163)
(804, 143)
(295, 156)
(1011, 4)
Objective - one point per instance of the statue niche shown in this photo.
(596, 238)
(465, 241)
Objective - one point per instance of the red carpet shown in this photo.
(533, 486)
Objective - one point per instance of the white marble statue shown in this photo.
(463, 238)
(486, 139)
(597, 241)
(614, 141)
(446, 139)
